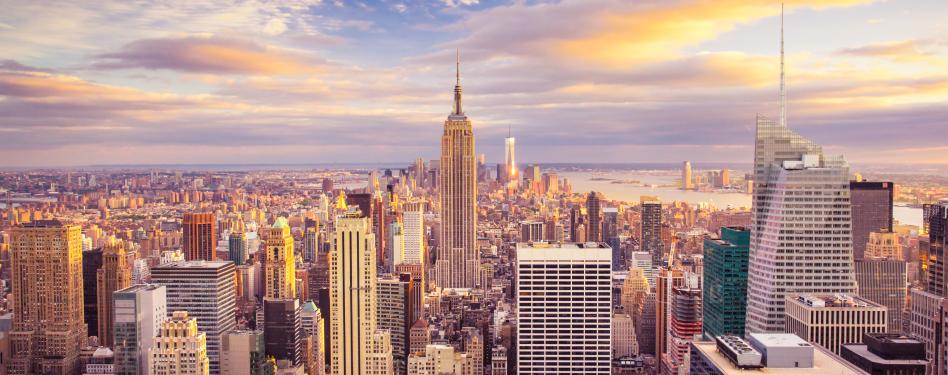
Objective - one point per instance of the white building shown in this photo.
(801, 239)
(413, 222)
(564, 288)
(833, 320)
(139, 312)
(180, 349)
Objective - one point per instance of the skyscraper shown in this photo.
(725, 282)
(200, 236)
(552, 280)
(356, 346)
(91, 262)
(46, 277)
(512, 174)
(207, 291)
(937, 220)
(801, 216)
(115, 274)
(139, 312)
(650, 235)
(884, 281)
(237, 247)
(180, 348)
(594, 210)
(686, 180)
(283, 330)
(413, 222)
(871, 211)
(684, 325)
(280, 264)
(395, 315)
(665, 284)
(458, 258)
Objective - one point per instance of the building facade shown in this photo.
(46, 289)
(833, 320)
(207, 291)
(551, 281)
(725, 282)
(458, 258)
(180, 349)
(871, 211)
(200, 236)
(139, 312)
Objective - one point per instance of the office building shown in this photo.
(395, 315)
(551, 280)
(684, 326)
(531, 231)
(200, 236)
(650, 234)
(243, 352)
(937, 219)
(115, 274)
(511, 173)
(139, 312)
(725, 282)
(356, 345)
(207, 291)
(610, 235)
(46, 289)
(926, 324)
(91, 263)
(885, 282)
(871, 211)
(801, 215)
(280, 264)
(237, 248)
(594, 212)
(458, 258)
(180, 349)
(413, 222)
(687, 183)
(666, 282)
(779, 354)
(883, 245)
(283, 330)
(624, 343)
(886, 353)
(833, 320)
(440, 359)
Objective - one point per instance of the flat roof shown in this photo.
(863, 351)
(823, 362)
(567, 251)
(780, 340)
(199, 264)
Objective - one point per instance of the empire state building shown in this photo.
(458, 260)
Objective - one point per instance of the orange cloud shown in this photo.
(209, 54)
(657, 32)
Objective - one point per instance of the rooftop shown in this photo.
(823, 362)
(833, 300)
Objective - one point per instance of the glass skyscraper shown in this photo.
(725, 282)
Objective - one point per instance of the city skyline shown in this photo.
(265, 83)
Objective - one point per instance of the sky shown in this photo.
(335, 81)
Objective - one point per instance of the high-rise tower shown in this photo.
(510, 160)
(801, 238)
(356, 345)
(115, 274)
(458, 259)
(686, 180)
(46, 277)
(280, 265)
(200, 236)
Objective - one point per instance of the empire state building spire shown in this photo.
(457, 86)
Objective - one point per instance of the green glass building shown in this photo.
(725, 282)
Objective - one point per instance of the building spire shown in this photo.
(457, 86)
(783, 87)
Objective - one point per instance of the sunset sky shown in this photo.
(309, 81)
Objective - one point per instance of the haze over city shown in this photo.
(113, 82)
(473, 187)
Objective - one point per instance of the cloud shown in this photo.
(208, 54)
(457, 3)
